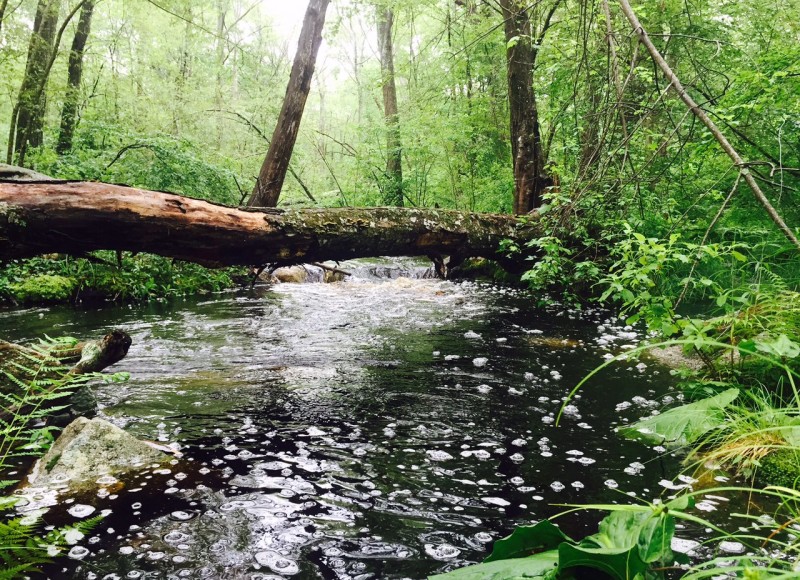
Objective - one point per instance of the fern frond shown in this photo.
(18, 571)
(18, 382)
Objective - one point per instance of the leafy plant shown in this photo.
(632, 542)
(644, 275)
(683, 425)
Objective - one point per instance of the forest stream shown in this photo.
(388, 426)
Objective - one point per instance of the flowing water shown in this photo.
(383, 427)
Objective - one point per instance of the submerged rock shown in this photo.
(674, 356)
(305, 273)
(295, 275)
(88, 449)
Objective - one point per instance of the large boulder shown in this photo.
(306, 273)
(89, 449)
(292, 275)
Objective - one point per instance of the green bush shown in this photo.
(43, 288)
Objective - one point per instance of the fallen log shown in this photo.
(78, 217)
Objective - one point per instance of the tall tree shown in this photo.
(69, 112)
(273, 171)
(3, 6)
(393, 184)
(27, 118)
(523, 42)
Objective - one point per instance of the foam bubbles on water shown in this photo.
(498, 501)
(78, 552)
(176, 537)
(441, 551)
(634, 468)
(438, 455)
(729, 547)
(277, 563)
(181, 516)
(80, 510)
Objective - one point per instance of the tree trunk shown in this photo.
(530, 179)
(78, 217)
(27, 118)
(393, 185)
(3, 6)
(69, 113)
(273, 171)
(740, 163)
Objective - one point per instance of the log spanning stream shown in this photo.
(383, 427)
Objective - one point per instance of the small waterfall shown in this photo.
(391, 269)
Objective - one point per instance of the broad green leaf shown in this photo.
(619, 530)
(738, 256)
(544, 565)
(633, 319)
(747, 347)
(618, 563)
(669, 329)
(655, 539)
(681, 503)
(685, 424)
(528, 539)
(782, 347)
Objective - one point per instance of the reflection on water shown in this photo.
(376, 428)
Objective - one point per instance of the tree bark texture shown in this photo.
(393, 186)
(69, 112)
(530, 180)
(3, 6)
(27, 118)
(676, 84)
(78, 217)
(273, 171)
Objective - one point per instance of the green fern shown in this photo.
(35, 384)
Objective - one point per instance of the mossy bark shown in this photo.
(77, 217)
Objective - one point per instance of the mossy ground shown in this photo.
(43, 288)
(59, 279)
(782, 468)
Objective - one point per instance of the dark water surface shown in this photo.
(377, 428)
